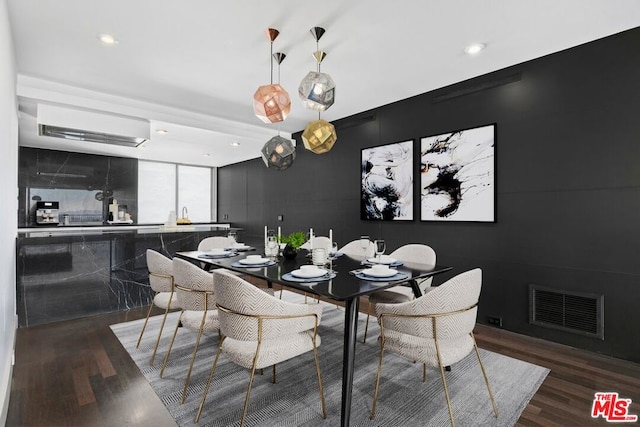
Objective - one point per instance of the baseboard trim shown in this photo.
(7, 374)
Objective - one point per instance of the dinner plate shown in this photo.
(384, 259)
(379, 272)
(310, 273)
(240, 247)
(255, 261)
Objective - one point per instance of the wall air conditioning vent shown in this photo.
(84, 135)
(89, 125)
(575, 312)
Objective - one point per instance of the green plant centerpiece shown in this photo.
(293, 242)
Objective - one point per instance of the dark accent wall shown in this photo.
(568, 185)
(116, 177)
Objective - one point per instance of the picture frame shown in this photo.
(457, 175)
(386, 182)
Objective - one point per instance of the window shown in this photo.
(156, 192)
(194, 192)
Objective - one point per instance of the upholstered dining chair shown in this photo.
(435, 329)
(195, 292)
(354, 249)
(214, 242)
(259, 330)
(415, 253)
(161, 281)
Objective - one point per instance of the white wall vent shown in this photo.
(83, 125)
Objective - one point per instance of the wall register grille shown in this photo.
(575, 312)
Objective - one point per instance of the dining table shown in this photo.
(344, 282)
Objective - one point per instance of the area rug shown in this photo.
(404, 400)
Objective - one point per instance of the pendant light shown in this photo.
(271, 103)
(278, 153)
(317, 91)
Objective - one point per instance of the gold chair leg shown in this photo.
(145, 325)
(484, 374)
(206, 388)
(164, 319)
(444, 384)
(375, 393)
(366, 325)
(173, 338)
(273, 379)
(424, 372)
(193, 357)
(324, 408)
(246, 399)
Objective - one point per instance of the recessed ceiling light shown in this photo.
(235, 144)
(162, 131)
(107, 39)
(474, 49)
(206, 154)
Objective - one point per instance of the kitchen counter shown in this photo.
(71, 230)
(67, 272)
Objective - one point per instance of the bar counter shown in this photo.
(68, 272)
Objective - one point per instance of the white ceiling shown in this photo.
(191, 67)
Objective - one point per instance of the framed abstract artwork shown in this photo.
(386, 174)
(457, 175)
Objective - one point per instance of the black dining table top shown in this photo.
(344, 286)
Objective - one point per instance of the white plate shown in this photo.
(309, 273)
(219, 251)
(255, 261)
(373, 272)
(384, 259)
(241, 247)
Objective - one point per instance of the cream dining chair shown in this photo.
(214, 242)
(161, 281)
(195, 292)
(354, 249)
(411, 253)
(259, 330)
(435, 329)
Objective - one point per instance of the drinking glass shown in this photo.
(380, 248)
(334, 249)
(319, 256)
(364, 244)
(233, 237)
(272, 246)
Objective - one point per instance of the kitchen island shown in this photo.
(67, 272)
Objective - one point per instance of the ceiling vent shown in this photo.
(83, 125)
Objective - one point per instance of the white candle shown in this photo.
(330, 239)
(265, 235)
(279, 234)
(311, 238)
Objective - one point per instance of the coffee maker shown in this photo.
(47, 213)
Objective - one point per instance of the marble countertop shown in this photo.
(68, 230)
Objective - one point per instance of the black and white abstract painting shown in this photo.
(387, 182)
(457, 175)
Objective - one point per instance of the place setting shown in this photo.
(380, 258)
(253, 261)
(309, 274)
(218, 253)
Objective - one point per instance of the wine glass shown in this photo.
(334, 249)
(380, 248)
(364, 244)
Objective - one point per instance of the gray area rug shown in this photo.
(404, 400)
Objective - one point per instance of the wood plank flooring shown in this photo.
(76, 373)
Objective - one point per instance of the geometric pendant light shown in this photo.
(278, 153)
(271, 103)
(317, 89)
(319, 136)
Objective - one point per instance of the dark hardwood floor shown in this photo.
(76, 373)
